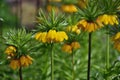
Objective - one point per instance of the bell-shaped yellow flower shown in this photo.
(73, 28)
(61, 35)
(88, 26)
(116, 37)
(69, 8)
(10, 51)
(15, 63)
(109, 19)
(43, 37)
(75, 45)
(25, 60)
(51, 35)
(38, 35)
(67, 48)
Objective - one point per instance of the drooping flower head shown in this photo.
(18, 46)
(88, 17)
(15, 64)
(75, 45)
(88, 26)
(116, 37)
(109, 12)
(116, 40)
(68, 48)
(50, 29)
(10, 51)
(74, 29)
(51, 36)
(23, 61)
(70, 8)
(108, 19)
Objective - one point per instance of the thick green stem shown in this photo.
(89, 57)
(20, 73)
(52, 63)
(108, 53)
(107, 56)
(73, 72)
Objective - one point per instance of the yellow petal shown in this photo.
(43, 37)
(14, 64)
(67, 48)
(38, 35)
(75, 45)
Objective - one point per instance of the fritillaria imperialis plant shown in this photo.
(19, 49)
(50, 32)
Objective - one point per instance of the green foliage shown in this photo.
(19, 39)
(91, 12)
(109, 6)
(50, 21)
(69, 1)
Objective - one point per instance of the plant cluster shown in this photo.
(61, 29)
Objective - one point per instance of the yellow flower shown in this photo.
(15, 63)
(75, 45)
(88, 26)
(69, 8)
(10, 51)
(51, 35)
(25, 60)
(116, 37)
(98, 21)
(82, 3)
(67, 48)
(117, 45)
(38, 35)
(73, 28)
(108, 19)
(43, 37)
(61, 35)
(68, 28)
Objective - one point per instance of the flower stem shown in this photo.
(73, 72)
(20, 73)
(89, 57)
(52, 63)
(108, 51)
(107, 55)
